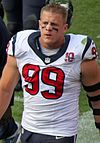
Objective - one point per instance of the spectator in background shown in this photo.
(8, 126)
(1, 10)
(17, 12)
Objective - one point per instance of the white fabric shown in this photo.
(58, 117)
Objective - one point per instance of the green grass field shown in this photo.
(86, 20)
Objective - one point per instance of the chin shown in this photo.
(48, 41)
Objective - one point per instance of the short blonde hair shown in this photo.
(55, 8)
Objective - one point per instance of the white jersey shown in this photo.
(51, 84)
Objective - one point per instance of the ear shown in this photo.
(39, 24)
(65, 27)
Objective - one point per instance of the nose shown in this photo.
(49, 27)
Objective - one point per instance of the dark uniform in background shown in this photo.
(7, 124)
(17, 12)
(1, 10)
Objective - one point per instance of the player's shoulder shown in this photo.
(24, 34)
(81, 40)
(21, 36)
(84, 44)
(77, 37)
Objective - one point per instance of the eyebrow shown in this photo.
(52, 23)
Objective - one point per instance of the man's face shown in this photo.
(52, 28)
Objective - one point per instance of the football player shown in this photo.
(53, 66)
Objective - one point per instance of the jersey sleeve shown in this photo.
(15, 46)
(90, 50)
(11, 46)
(18, 44)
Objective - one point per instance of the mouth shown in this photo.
(48, 35)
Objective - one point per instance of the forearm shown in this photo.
(91, 84)
(93, 94)
(9, 79)
(5, 97)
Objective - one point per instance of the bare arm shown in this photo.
(91, 82)
(9, 79)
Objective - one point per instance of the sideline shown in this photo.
(87, 131)
(18, 99)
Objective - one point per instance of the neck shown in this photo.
(55, 45)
